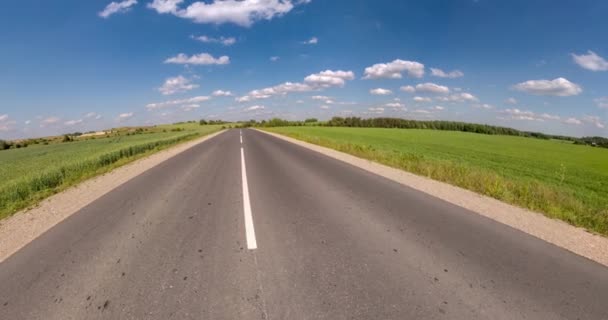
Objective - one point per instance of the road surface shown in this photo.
(296, 235)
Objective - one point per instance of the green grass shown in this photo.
(31, 174)
(559, 179)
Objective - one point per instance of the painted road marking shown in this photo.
(249, 230)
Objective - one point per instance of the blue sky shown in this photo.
(73, 65)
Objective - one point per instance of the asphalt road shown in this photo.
(331, 242)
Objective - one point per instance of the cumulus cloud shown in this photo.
(255, 107)
(125, 116)
(274, 58)
(437, 108)
(459, 97)
(408, 89)
(394, 70)
(594, 120)
(422, 99)
(240, 12)
(193, 100)
(189, 107)
(511, 101)
(198, 59)
(380, 92)
(574, 121)
(395, 105)
(324, 107)
(117, 7)
(73, 122)
(557, 87)
(227, 41)
(442, 74)
(50, 120)
(376, 109)
(312, 40)
(602, 102)
(6, 124)
(517, 114)
(591, 61)
(177, 84)
(221, 93)
(317, 81)
(329, 78)
(483, 106)
(432, 88)
(320, 97)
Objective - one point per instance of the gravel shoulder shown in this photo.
(25, 226)
(559, 233)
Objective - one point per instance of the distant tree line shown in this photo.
(203, 122)
(417, 124)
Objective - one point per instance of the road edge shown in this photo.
(26, 225)
(556, 232)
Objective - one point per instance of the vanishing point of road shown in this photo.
(248, 226)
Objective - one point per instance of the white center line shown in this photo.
(241, 137)
(249, 230)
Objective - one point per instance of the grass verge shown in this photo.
(27, 190)
(510, 169)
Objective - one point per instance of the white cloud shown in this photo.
(459, 97)
(198, 59)
(27, 122)
(125, 116)
(221, 93)
(422, 99)
(117, 7)
(317, 81)
(394, 70)
(442, 74)
(557, 87)
(165, 6)
(438, 108)
(240, 12)
(421, 111)
(591, 61)
(177, 84)
(380, 92)
(73, 122)
(312, 40)
(160, 105)
(190, 107)
(329, 78)
(274, 58)
(574, 121)
(594, 120)
(320, 97)
(324, 107)
(50, 120)
(395, 105)
(432, 88)
(483, 106)
(517, 114)
(227, 41)
(408, 89)
(255, 107)
(512, 101)
(547, 116)
(3, 117)
(376, 109)
(602, 102)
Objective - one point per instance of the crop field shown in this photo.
(30, 174)
(557, 178)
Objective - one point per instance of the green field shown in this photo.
(28, 175)
(560, 179)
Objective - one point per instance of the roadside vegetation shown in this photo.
(52, 164)
(553, 176)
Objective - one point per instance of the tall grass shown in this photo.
(28, 189)
(579, 205)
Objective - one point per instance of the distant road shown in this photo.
(297, 235)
